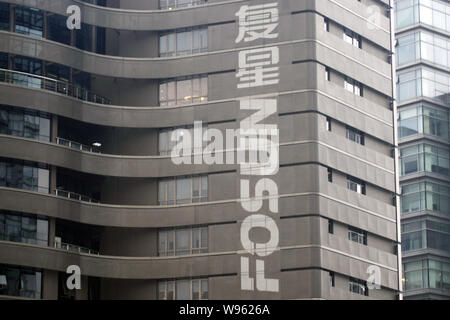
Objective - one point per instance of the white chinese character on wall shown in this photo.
(257, 22)
(254, 67)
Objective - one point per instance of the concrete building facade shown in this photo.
(87, 177)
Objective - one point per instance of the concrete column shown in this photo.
(83, 293)
(54, 128)
(50, 285)
(51, 232)
(12, 20)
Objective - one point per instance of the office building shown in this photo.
(423, 60)
(87, 172)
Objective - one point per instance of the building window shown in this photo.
(100, 40)
(352, 38)
(23, 228)
(29, 21)
(22, 176)
(357, 235)
(20, 282)
(331, 275)
(330, 174)
(4, 16)
(21, 123)
(328, 124)
(429, 12)
(84, 37)
(424, 157)
(326, 24)
(189, 289)
(182, 241)
(184, 90)
(356, 185)
(57, 29)
(424, 234)
(353, 86)
(183, 42)
(427, 273)
(355, 135)
(423, 82)
(182, 190)
(327, 74)
(171, 4)
(4, 61)
(425, 196)
(27, 65)
(358, 286)
(330, 226)
(423, 120)
(168, 138)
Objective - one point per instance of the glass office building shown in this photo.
(423, 73)
(89, 119)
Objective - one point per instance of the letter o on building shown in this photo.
(261, 221)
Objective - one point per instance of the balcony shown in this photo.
(77, 145)
(73, 248)
(49, 84)
(74, 196)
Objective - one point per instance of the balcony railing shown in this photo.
(74, 248)
(74, 196)
(172, 4)
(39, 82)
(76, 145)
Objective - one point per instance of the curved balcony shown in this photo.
(349, 13)
(347, 108)
(74, 248)
(220, 263)
(364, 164)
(39, 82)
(364, 68)
(73, 196)
(337, 203)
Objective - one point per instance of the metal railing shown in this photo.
(74, 196)
(40, 82)
(74, 248)
(76, 145)
(164, 5)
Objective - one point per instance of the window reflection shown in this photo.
(183, 90)
(29, 21)
(24, 123)
(23, 228)
(423, 45)
(182, 190)
(424, 157)
(431, 12)
(423, 82)
(427, 273)
(423, 120)
(183, 42)
(425, 196)
(27, 65)
(425, 234)
(192, 240)
(20, 282)
(185, 289)
(21, 175)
